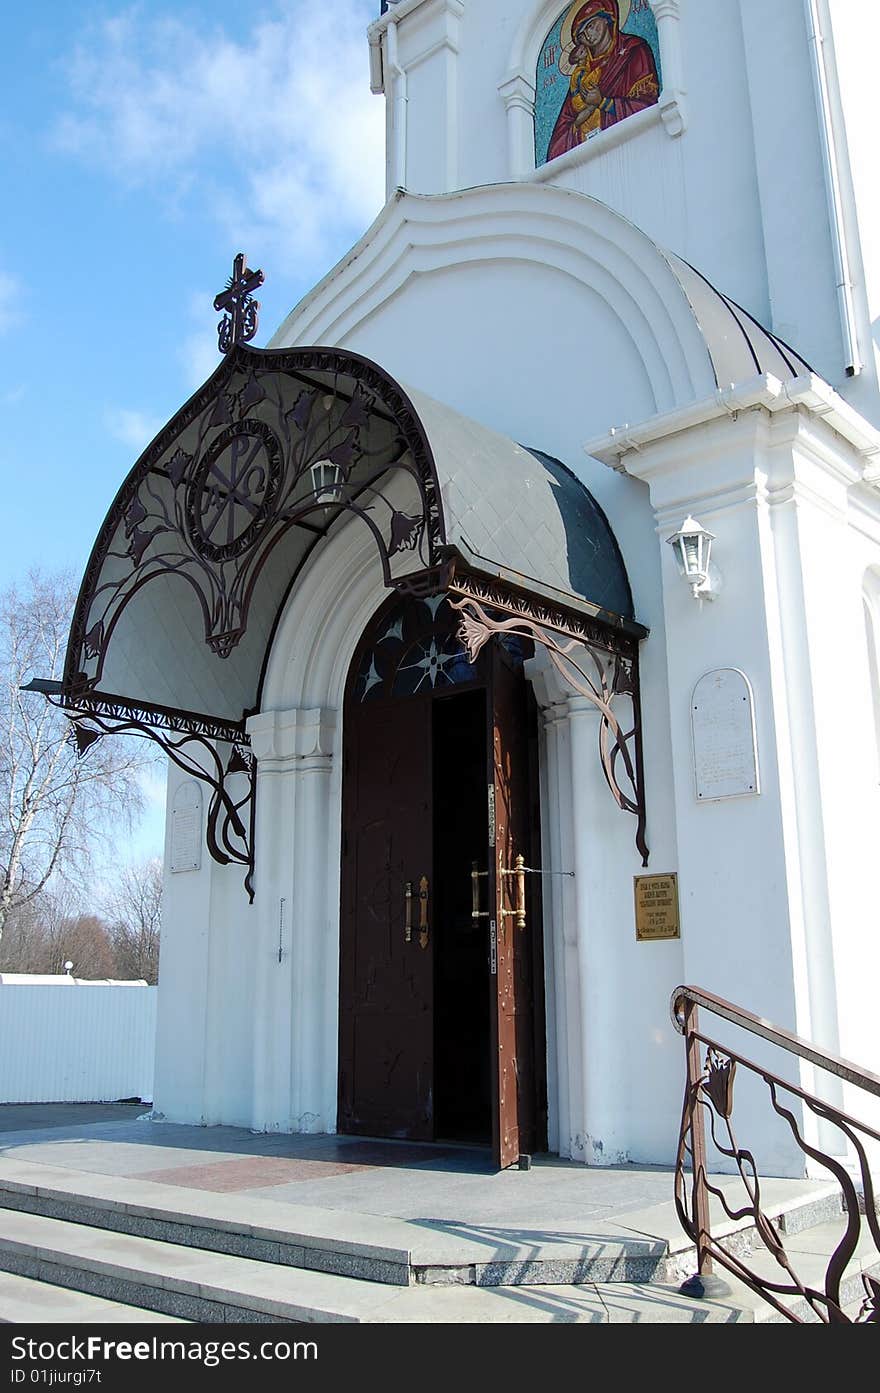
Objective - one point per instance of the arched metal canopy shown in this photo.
(278, 452)
(275, 452)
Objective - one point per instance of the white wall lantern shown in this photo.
(692, 545)
(327, 481)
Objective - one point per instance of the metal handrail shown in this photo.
(796, 1044)
(709, 1093)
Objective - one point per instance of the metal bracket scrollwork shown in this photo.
(229, 832)
(614, 674)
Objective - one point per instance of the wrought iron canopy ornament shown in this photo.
(594, 661)
(211, 529)
(239, 323)
(223, 508)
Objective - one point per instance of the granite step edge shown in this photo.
(230, 1297)
(193, 1284)
(26, 1300)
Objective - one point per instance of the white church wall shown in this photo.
(615, 1066)
(649, 176)
(738, 884)
(871, 604)
(517, 338)
(230, 1017)
(779, 114)
(183, 972)
(204, 1014)
(748, 130)
(474, 349)
(843, 542)
(838, 544)
(854, 27)
(296, 944)
(776, 884)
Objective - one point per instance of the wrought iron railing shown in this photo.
(711, 1068)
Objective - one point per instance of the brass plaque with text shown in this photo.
(656, 899)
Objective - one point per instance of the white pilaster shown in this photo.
(419, 44)
(297, 940)
(672, 98)
(518, 95)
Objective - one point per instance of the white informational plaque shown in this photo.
(186, 827)
(723, 729)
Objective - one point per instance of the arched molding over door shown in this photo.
(297, 742)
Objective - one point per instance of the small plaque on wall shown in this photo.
(723, 730)
(656, 899)
(186, 827)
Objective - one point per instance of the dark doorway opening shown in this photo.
(462, 1078)
(441, 1030)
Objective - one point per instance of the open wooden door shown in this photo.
(512, 921)
(438, 1024)
(387, 975)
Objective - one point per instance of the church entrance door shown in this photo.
(440, 1023)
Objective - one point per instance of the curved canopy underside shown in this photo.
(272, 457)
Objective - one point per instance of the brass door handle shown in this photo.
(407, 921)
(423, 912)
(519, 870)
(476, 876)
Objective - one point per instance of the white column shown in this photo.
(559, 973)
(518, 95)
(672, 96)
(297, 941)
(598, 1115)
(181, 1026)
(420, 72)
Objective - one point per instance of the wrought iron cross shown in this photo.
(239, 323)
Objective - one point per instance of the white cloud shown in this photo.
(10, 295)
(199, 357)
(198, 353)
(277, 135)
(153, 784)
(133, 428)
(148, 837)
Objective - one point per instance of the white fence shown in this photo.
(76, 1042)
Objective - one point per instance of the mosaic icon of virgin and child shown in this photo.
(612, 71)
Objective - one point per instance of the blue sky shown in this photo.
(142, 146)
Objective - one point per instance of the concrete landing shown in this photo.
(223, 1224)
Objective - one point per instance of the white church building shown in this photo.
(469, 767)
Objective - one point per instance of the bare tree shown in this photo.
(134, 913)
(23, 946)
(81, 939)
(55, 808)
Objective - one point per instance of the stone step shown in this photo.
(641, 1246)
(25, 1301)
(140, 1277)
(808, 1252)
(196, 1285)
